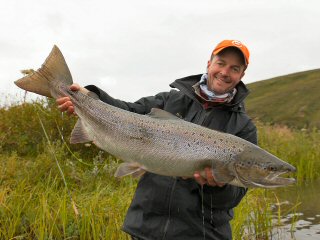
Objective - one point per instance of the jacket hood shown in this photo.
(185, 85)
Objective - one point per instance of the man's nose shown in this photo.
(224, 71)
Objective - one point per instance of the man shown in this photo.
(200, 208)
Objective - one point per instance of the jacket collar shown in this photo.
(186, 84)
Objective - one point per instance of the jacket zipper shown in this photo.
(166, 226)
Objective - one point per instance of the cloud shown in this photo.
(137, 48)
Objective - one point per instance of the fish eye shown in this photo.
(272, 168)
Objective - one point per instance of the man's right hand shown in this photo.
(64, 103)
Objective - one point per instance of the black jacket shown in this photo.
(173, 208)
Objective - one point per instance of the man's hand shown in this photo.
(209, 180)
(64, 103)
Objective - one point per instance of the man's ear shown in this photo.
(243, 73)
(208, 64)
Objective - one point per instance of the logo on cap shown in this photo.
(237, 43)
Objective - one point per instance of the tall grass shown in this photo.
(298, 147)
(35, 204)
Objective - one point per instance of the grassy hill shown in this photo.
(292, 100)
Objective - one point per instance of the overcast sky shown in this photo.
(135, 48)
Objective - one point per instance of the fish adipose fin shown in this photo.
(79, 134)
(54, 69)
(161, 114)
(126, 169)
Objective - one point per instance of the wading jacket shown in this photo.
(178, 209)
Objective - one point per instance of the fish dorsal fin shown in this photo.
(93, 95)
(79, 134)
(161, 114)
(125, 169)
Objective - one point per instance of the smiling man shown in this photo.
(200, 208)
(226, 66)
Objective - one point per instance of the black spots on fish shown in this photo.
(221, 140)
(241, 164)
(197, 142)
(165, 131)
(135, 137)
(142, 135)
(246, 164)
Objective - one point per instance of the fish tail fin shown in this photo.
(52, 71)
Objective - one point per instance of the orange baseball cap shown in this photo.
(233, 43)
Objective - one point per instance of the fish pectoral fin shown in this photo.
(126, 169)
(237, 182)
(161, 114)
(79, 134)
(221, 173)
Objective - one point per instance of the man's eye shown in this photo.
(236, 69)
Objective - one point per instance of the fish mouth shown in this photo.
(272, 180)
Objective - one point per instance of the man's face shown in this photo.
(225, 71)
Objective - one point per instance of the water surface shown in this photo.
(306, 214)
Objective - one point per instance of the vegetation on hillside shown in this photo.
(291, 100)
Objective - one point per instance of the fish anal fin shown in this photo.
(79, 134)
(126, 169)
(162, 114)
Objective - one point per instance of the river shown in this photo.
(306, 214)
